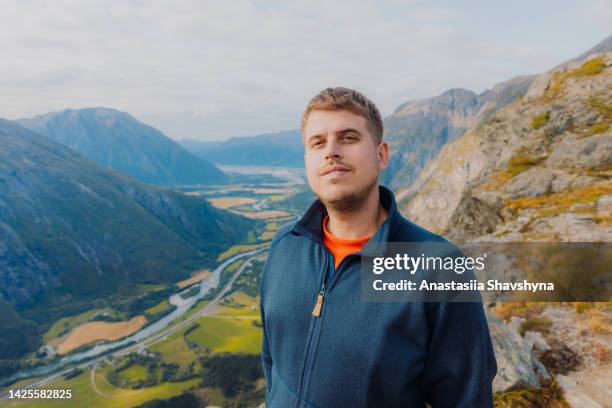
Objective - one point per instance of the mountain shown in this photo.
(604, 46)
(72, 231)
(538, 169)
(116, 140)
(416, 131)
(281, 149)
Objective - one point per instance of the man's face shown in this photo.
(341, 157)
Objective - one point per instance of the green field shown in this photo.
(106, 395)
(231, 268)
(134, 372)
(231, 330)
(239, 248)
(174, 349)
(158, 308)
(194, 309)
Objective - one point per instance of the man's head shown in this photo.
(342, 132)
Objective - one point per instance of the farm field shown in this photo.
(200, 276)
(264, 215)
(93, 390)
(228, 202)
(93, 331)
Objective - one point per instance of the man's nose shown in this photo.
(332, 150)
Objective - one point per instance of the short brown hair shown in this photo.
(343, 98)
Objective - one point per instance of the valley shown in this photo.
(215, 310)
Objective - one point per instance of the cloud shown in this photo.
(205, 69)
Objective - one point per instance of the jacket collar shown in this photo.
(311, 223)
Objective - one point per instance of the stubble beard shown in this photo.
(352, 201)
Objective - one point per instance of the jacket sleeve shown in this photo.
(266, 358)
(460, 363)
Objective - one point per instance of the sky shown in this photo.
(209, 70)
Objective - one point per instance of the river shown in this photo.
(182, 306)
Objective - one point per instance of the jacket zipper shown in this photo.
(314, 324)
(317, 313)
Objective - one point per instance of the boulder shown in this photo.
(517, 366)
(530, 183)
(591, 152)
(535, 341)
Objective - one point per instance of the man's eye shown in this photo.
(349, 137)
(317, 143)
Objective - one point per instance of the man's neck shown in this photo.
(361, 222)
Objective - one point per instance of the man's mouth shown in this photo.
(335, 170)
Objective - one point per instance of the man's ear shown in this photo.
(383, 155)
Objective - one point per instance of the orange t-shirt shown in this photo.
(340, 247)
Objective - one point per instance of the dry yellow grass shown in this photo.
(267, 235)
(268, 190)
(596, 316)
(94, 331)
(593, 66)
(560, 202)
(200, 276)
(270, 214)
(506, 310)
(228, 202)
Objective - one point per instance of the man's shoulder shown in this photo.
(408, 231)
(282, 232)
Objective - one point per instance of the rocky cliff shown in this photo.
(417, 131)
(538, 169)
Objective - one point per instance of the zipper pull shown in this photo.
(316, 312)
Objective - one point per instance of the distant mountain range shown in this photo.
(116, 140)
(72, 231)
(416, 131)
(282, 149)
(538, 169)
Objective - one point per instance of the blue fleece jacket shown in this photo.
(364, 354)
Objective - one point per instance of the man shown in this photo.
(322, 346)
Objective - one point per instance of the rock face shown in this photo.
(116, 140)
(417, 131)
(574, 397)
(538, 169)
(517, 366)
